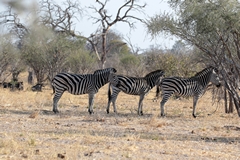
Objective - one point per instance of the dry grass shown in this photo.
(30, 130)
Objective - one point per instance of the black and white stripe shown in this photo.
(194, 86)
(132, 85)
(80, 84)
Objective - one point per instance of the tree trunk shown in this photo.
(225, 100)
(234, 96)
(103, 63)
(30, 77)
(104, 49)
(230, 108)
(15, 76)
(236, 102)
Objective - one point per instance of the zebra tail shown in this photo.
(158, 88)
(53, 88)
(109, 91)
(158, 91)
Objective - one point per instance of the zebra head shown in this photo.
(214, 78)
(154, 78)
(113, 79)
(209, 74)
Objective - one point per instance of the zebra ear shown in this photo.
(215, 70)
(163, 74)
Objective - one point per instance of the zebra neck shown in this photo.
(151, 82)
(204, 79)
(101, 80)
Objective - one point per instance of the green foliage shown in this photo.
(34, 51)
(130, 60)
(118, 47)
(47, 53)
(5, 55)
(198, 22)
(80, 61)
(211, 26)
(183, 65)
(10, 62)
(132, 65)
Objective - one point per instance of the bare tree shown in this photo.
(106, 21)
(49, 17)
(134, 49)
(5, 59)
(11, 21)
(60, 18)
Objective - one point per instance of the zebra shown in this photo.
(133, 86)
(78, 84)
(194, 86)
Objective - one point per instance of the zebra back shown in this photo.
(188, 86)
(136, 85)
(106, 70)
(81, 84)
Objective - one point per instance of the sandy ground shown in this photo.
(30, 130)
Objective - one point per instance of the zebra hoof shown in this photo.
(90, 112)
(55, 111)
(107, 111)
(194, 116)
(162, 115)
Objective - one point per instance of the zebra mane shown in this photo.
(204, 71)
(105, 70)
(153, 73)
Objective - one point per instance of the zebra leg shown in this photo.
(195, 99)
(56, 98)
(108, 106)
(90, 103)
(140, 104)
(164, 100)
(109, 98)
(113, 99)
(162, 108)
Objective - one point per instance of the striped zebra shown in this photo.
(132, 85)
(78, 84)
(194, 86)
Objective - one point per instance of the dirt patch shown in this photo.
(30, 130)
